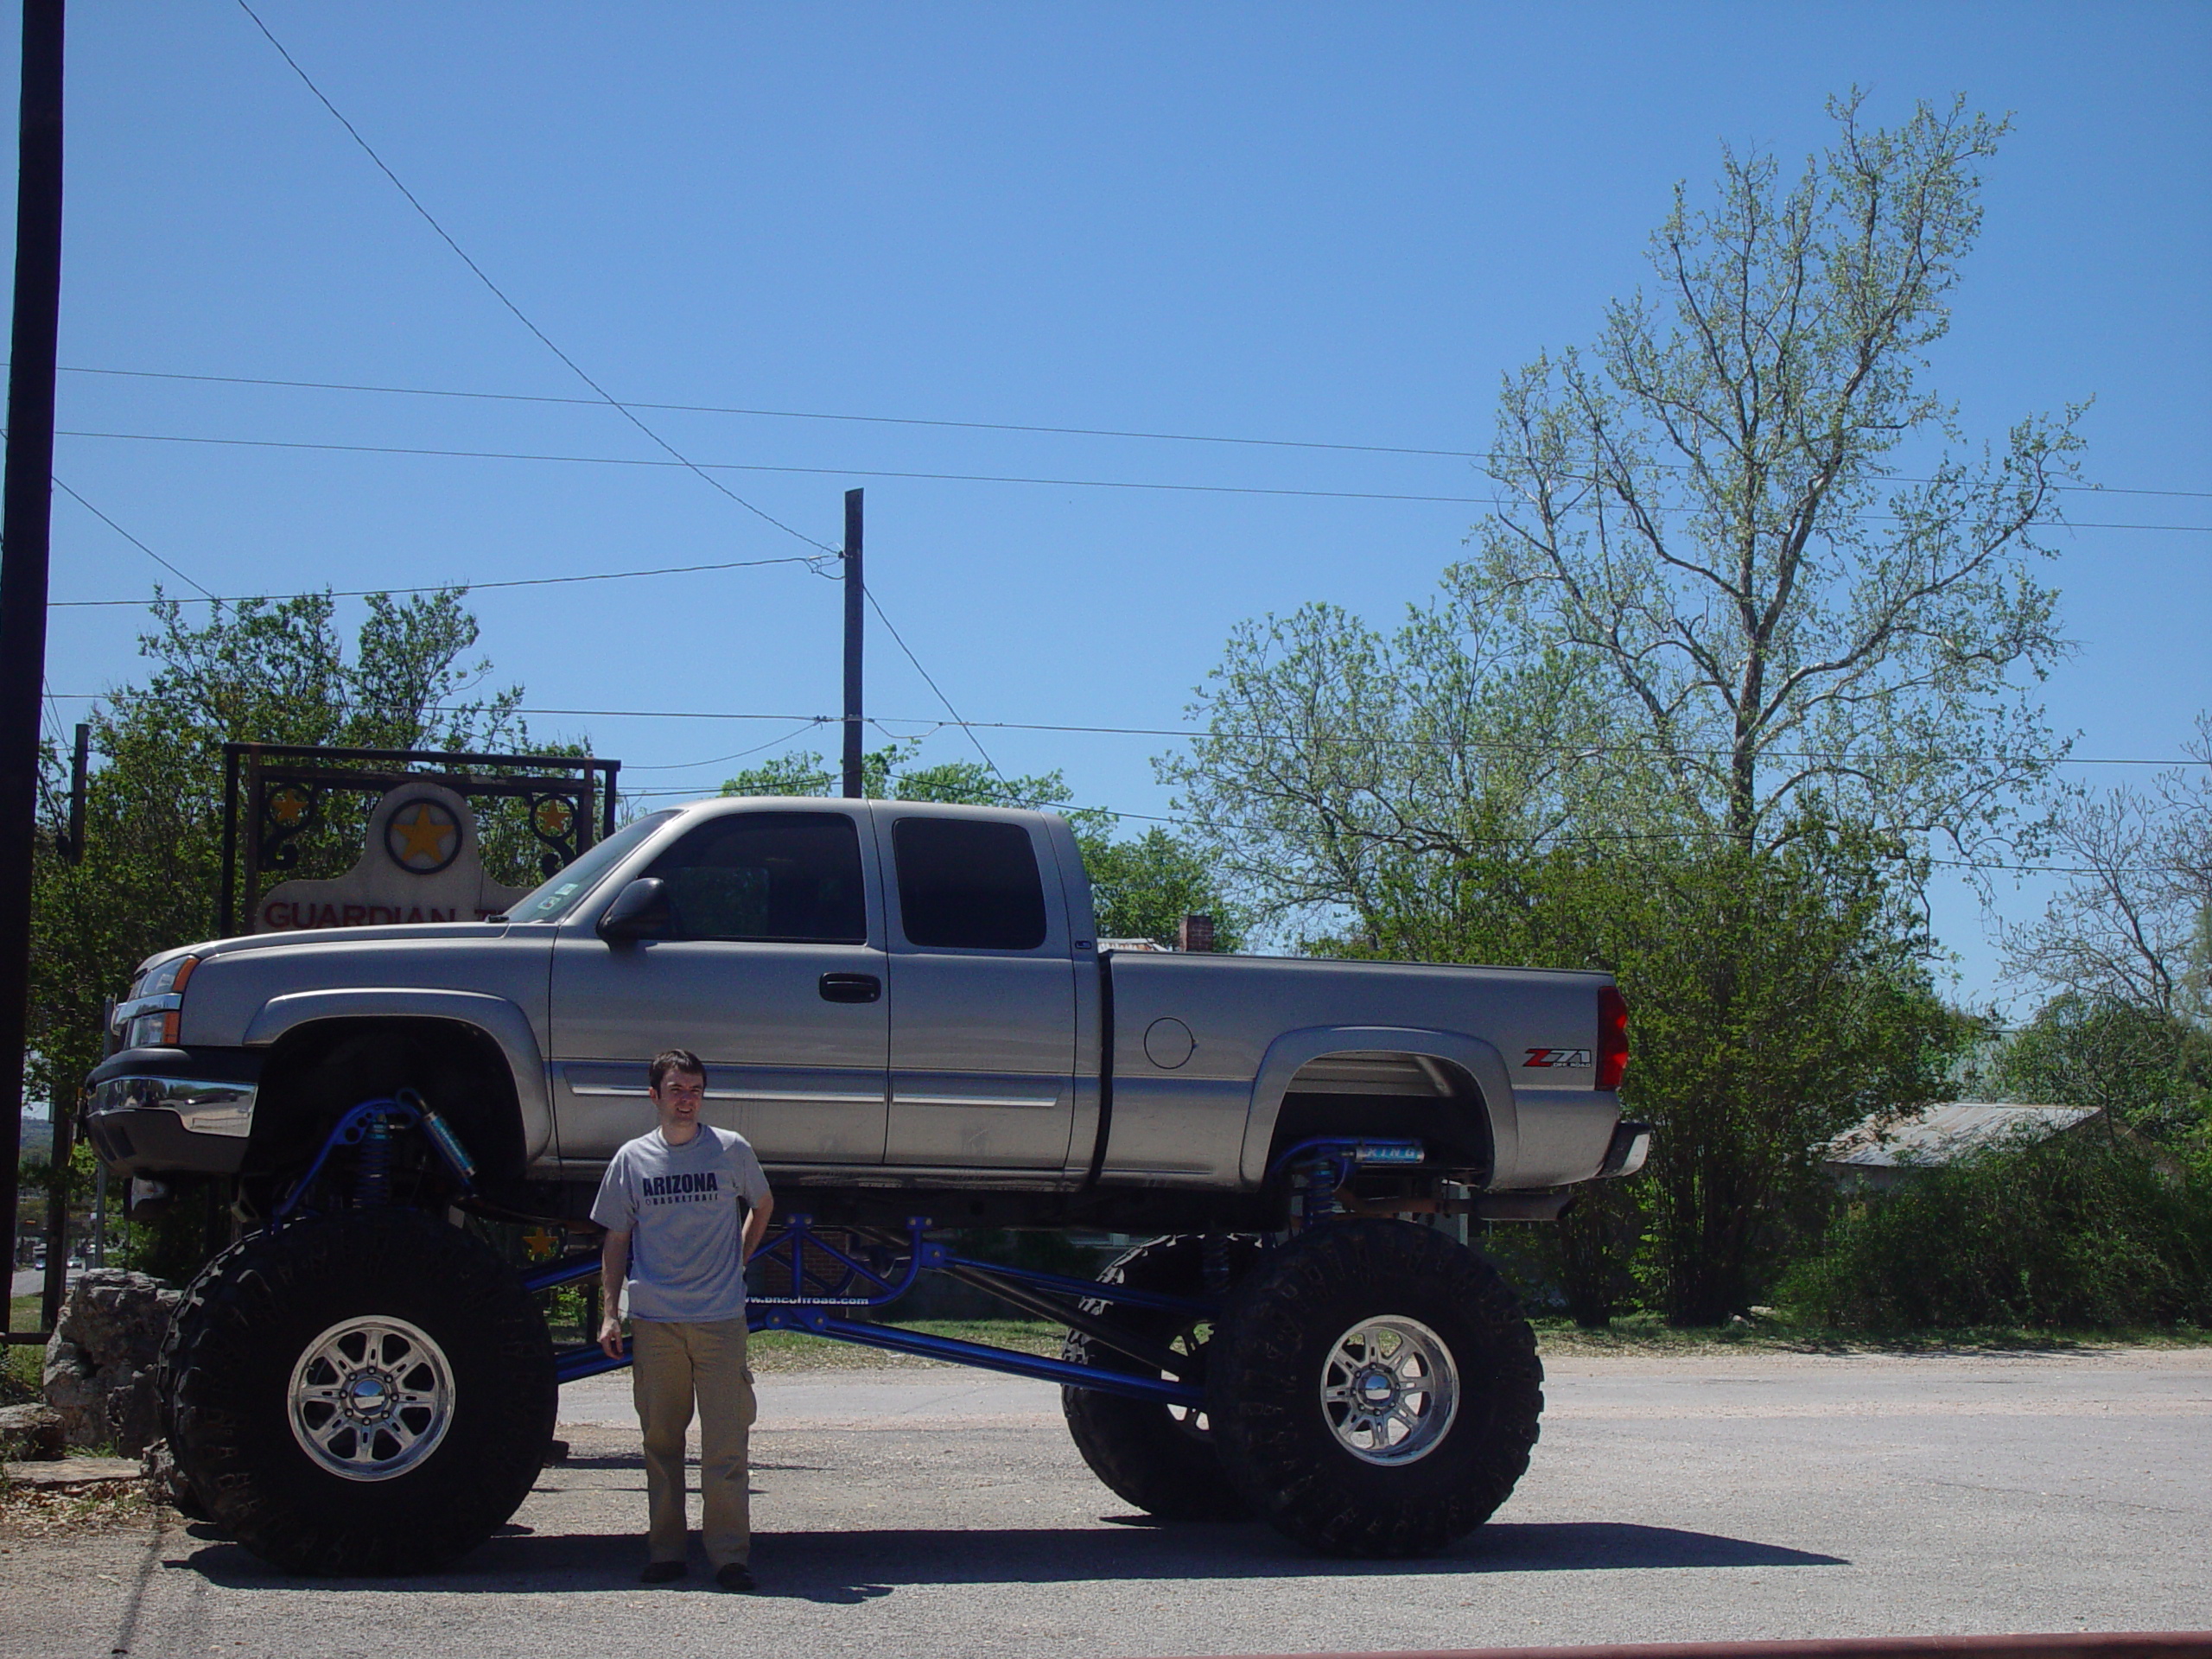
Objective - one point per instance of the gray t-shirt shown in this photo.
(684, 1209)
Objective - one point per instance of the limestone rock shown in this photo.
(165, 1482)
(32, 1432)
(100, 1360)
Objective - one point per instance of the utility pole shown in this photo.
(26, 512)
(62, 1118)
(856, 612)
(80, 764)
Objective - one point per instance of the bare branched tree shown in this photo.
(2130, 925)
(1712, 503)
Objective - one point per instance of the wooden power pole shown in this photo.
(856, 614)
(26, 512)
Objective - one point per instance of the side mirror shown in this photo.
(640, 910)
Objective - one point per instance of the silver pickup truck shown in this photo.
(905, 1007)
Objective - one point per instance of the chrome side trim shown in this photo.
(613, 1092)
(203, 1106)
(974, 1100)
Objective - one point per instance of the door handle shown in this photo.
(850, 988)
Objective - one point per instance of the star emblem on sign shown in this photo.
(423, 836)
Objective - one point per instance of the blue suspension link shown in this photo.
(817, 1283)
(369, 1126)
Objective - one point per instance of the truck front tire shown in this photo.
(363, 1393)
(1374, 1389)
(1160, 1458)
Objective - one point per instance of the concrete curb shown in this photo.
(2134, 1644)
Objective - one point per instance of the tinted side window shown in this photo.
(969, 885)
(771, 876)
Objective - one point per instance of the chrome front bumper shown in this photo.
(158, 1110)
(203, 1105)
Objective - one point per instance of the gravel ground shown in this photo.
(940, 1511)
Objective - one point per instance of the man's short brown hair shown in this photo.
(676, 1059)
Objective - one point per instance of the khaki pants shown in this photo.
(675, 1362)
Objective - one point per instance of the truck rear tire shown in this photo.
(1374, 1389)
(363, 1393)
(1161, 1458)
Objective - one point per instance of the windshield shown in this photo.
(552, 901)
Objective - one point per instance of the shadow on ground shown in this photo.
(845, 1567)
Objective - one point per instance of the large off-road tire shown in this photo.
(363, 1393)
(1374, 1389)
(1159, 1457)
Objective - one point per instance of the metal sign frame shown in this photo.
(274, 792)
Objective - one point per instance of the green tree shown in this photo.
(1775, 999)
(260, 671)
(2076, 1231)
(2145, 1068)
(2120, 955)
(1750, 628)
(1144, 886)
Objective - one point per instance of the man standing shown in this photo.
(683, 1205)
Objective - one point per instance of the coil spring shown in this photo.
(372, 1186)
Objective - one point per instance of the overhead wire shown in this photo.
(500, 294)
(952, 478)
(1598, 838)
(962, 426)
(438, 587)
(933, 723)
(806, 725)
(882, 616)
(180, 575)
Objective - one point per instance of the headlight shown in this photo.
(154, 1014)
(169, 977)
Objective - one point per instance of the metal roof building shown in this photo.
(1886, 1149)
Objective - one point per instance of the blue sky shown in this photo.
(1335, 224)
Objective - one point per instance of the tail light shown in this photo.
(1612, 1037)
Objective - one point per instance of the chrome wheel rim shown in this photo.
(371, 1398)
(1389, 1390)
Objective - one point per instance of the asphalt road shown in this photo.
(935, 1512)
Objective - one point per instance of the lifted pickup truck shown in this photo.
(904, 1007)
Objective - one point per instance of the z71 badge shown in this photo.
(1557, 1057)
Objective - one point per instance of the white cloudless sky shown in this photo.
(1341, 223)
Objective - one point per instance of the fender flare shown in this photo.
(497, 1018)
(1290, 1051)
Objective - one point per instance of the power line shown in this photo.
(134, 542)
(797, 414)
(439, 587)
(933, 724)
(862, 472)
(909, 420)
(756, 467)
(499, 294)
(1595, 838)
(804, 726)
(876, 604)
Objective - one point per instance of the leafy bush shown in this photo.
(2082, 1231)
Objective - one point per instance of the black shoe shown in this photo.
(662, 1571)
(736, 1575)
